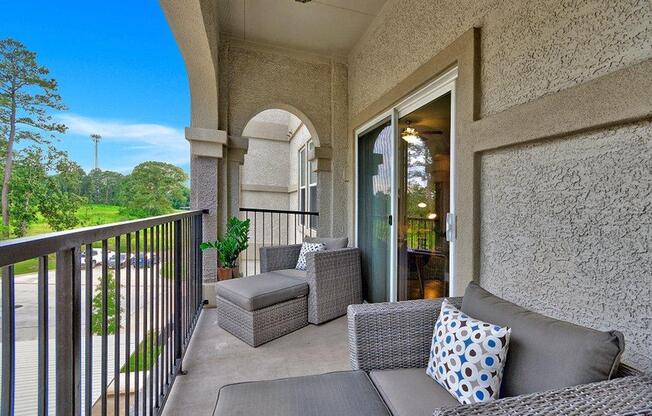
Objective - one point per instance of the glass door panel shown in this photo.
(424, 200)
(374, 210)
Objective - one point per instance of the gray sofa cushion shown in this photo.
(256, 292)
(293, 273)
(410, 392)
(545, 353)
(341, 393)
(330, 243)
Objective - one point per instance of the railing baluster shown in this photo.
(8, 340)
(43, 336)
(105, 312)
(88, 347)
(256, 268)
(158, 310)
(152, 338)
(146, 334)
(68, 333)
(166, 313)
(137, 330)
(116, 339)
(177, 296)
(128, 324)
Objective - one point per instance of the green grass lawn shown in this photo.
(89, 215)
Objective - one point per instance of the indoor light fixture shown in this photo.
(410, 134)
(422, 205)
(432, 216)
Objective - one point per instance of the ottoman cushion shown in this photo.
(339, 393)
(257, 292)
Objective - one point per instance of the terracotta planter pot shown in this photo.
(236, 272)
(224, 273)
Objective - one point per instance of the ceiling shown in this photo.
(321, 26)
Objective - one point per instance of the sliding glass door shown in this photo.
(374, 222)
(424, 200)
(405, 202)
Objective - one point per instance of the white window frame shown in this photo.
(304, 169)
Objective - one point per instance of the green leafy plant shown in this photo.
(234, 242)
(112, 324)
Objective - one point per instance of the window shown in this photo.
(307, 184)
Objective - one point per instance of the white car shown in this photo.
(96, 257)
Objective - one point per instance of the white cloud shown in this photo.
(140, 141)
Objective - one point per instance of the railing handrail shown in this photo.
(279, 211)
(25, 248)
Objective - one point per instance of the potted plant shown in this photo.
(229, 247)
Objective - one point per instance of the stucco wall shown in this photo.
(565, 224)
(565, 230)
(313, 87)
(553, 44)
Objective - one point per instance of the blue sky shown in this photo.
(120, 74)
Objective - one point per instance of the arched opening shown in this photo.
(278, 181)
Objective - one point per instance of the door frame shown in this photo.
(446, 83)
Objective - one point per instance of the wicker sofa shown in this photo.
(281, 299)
(389, 349)
(333, 277)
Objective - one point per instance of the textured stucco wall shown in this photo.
(553, 44)
(256, 77)
(267, 162)
(566, 229)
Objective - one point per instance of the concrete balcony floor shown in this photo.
(216, 358)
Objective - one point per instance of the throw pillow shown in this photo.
(308, 248)
(467, 355)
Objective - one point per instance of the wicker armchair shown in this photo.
(333, 276)
(398, 335)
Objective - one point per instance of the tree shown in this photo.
(152, 187)
(43, 180)
(112, 324)
(102, 186)
(28, 184)
(26, 95)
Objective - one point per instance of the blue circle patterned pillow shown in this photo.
(467, 355)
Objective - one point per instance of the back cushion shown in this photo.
(545, 353)
(330, 243)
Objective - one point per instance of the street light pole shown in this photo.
(95, 138)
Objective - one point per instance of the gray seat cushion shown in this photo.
(411, 392)
(545, 353)
(293, 273)
(256, 292)
(341, 393)
(330, 243)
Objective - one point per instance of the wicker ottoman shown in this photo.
(260, 308)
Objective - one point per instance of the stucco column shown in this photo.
(321, 156)
(238, 147)
(206, 149)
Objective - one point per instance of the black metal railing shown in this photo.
(133, 323)
(421, 233)
(271, 227)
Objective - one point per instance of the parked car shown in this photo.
(144, 258)
(96, 257)
(112, 260)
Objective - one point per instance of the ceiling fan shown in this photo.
(412, 135)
